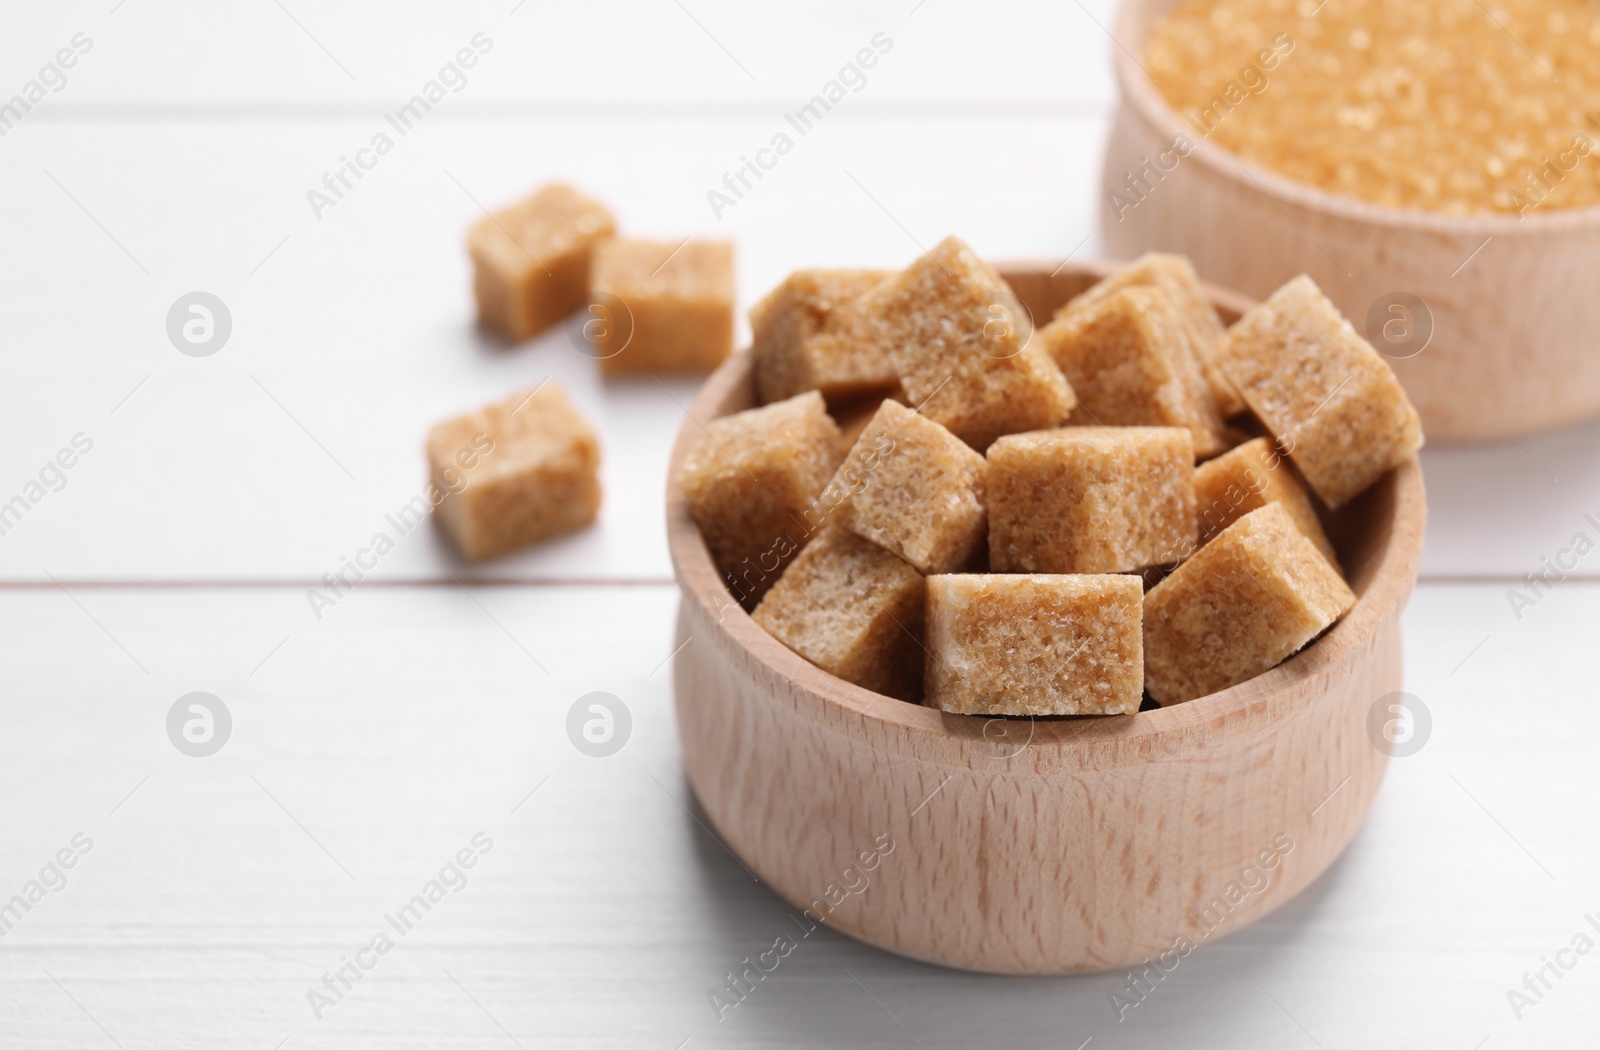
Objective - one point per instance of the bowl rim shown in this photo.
(1138, 89)
(1341, 647)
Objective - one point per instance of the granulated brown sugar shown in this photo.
(1245, 602)
(517, 471)
(1035, 644)
(751, 484)
(1452, 106)
(854, 610)
(1323, 392)
(914, 489)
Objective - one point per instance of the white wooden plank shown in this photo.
(280, 455)
(188, 53)
(384, 737)
(1515, 506)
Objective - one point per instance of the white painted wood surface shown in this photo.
(406, 721)
(370, 745)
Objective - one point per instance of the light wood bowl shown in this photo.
(1513, 329)
(1035, 846)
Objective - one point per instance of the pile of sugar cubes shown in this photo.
(941, 503)
(527, 468)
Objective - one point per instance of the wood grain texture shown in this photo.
(1512, 328)
(1036, 847)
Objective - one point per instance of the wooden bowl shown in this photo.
(1036, 846)
(1512, 328)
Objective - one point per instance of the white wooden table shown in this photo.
(370, 745)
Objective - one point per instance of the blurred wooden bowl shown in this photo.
(1512, 329)
(1036, 846)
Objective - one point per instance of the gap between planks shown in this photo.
(756, 110)
(301, 584)
(1438, 579)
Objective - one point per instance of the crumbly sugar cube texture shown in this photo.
(515, 472)
(1034, 644)
(752, 484)
(1091, 499)
(854, 610)
(1129, 359)
(1241, 605)
(1251, 476)
(1322, 391)
(531, 260)
(963, 347)
(809, 333)
(914, 489)
(1174, 275)
(662, 307)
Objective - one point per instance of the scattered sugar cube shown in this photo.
(1245, 601)
(1322, 391)
(1091, 499)
(515, 472)
(854, 610)
(1175, 275)
(914, 489)
(531, 260)
(1251, 476)
(751, 485)
(809, 334)
(662, 307)
(1129, 360)
(963, 347)
(1034, 645)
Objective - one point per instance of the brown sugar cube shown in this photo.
(1034, 645)
(751, 485)
(515, 472)
(962, 345)
(662, 307)
(1174, 275)
(1091, 499)
(531, 260)
(1239, 606)
(854, 610)
(809, 334)
(1129, 361)
(1322, 391)
(1251, 476)
(914, 489)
